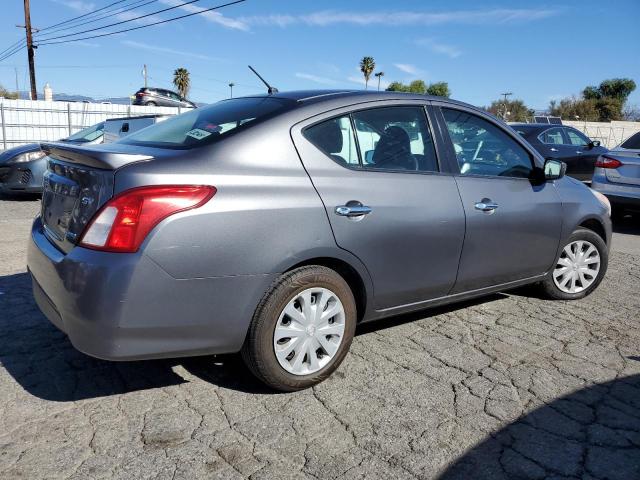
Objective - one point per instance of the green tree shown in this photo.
(439, 89)
(511, 110)
(572, 107)
(182, 81)
(619, 88)
(367, 66)
(7, 94)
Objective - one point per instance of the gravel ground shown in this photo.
(509, 386)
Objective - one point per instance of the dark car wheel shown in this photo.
(580, 267)
(301, 330)
(151, 104)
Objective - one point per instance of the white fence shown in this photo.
(28, 121)
(609, 134)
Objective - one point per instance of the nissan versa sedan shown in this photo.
(22, 168)
(273, 225)
(566, 144)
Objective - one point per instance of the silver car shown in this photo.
(617, 175)
(273, 225)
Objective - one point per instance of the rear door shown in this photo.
(388, 202)
(512, 224)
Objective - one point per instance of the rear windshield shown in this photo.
(633, 142)
(202, 126)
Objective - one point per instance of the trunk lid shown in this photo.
(629, 172)
(78, 181)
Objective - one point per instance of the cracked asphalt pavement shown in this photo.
(509, 386)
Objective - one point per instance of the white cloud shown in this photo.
(77, 5)
(316, 79)
(213, 16)
(408, 68)
(171, 51)
(325, 18)
(440, 48)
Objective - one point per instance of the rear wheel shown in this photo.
(580, 267)
(150, 104)
(302, 329)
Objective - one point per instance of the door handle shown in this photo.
(487, 207)
(553, 149)
(352, 210)
(579, 152)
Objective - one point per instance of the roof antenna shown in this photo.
(271, 90)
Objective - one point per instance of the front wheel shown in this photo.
(301, 330)
(580, 267)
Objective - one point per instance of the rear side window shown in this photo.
(389, 138)
(633, 142)
(553, 136)
(205, 125)
(483, 148)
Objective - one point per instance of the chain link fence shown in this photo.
(29, 121)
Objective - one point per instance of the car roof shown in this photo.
(308, 97)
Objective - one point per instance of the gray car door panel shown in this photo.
(410, 241)
(513, 225)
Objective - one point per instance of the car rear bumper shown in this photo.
(126, 307)
(618, 194)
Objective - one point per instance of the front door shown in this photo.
(586, 154)
(377, 172)
(512, 224)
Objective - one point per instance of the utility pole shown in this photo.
(17, 86)
(144, 74)
(505, 113)
(379, 75)
(30, 48)
(231, 85)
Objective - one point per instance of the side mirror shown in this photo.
(368, 157)
(594, 143)
(554, 169)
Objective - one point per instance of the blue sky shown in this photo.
(537, 50)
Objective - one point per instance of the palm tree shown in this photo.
(182, 81)
(367, 66)
(379, 75)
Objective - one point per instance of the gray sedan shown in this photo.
(274, 224)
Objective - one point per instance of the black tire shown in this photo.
(551, 290)
(150, 104)
(258, 351)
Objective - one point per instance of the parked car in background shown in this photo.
(161, 97)
(116, 128)
(630, 146)
(617, 175)
(22, 167)
(563, 143)
(273, 224)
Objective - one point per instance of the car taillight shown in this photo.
(141, 94)
(608, 162)
(123, 223)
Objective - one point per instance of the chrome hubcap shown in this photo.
(577, 267)
(309, 331)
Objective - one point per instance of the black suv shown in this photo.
(161, 97)
(563, 143)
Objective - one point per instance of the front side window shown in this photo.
(483, 148)
(576, 138)
(205, 125)
(389, 138)
(553, 136)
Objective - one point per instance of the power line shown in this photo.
(121, 22)
(145, 26)
(85, 15)
(118, 11)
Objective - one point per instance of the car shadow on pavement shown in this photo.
(44, 362)
(629, 224)
(23, 197)
(590, 433)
